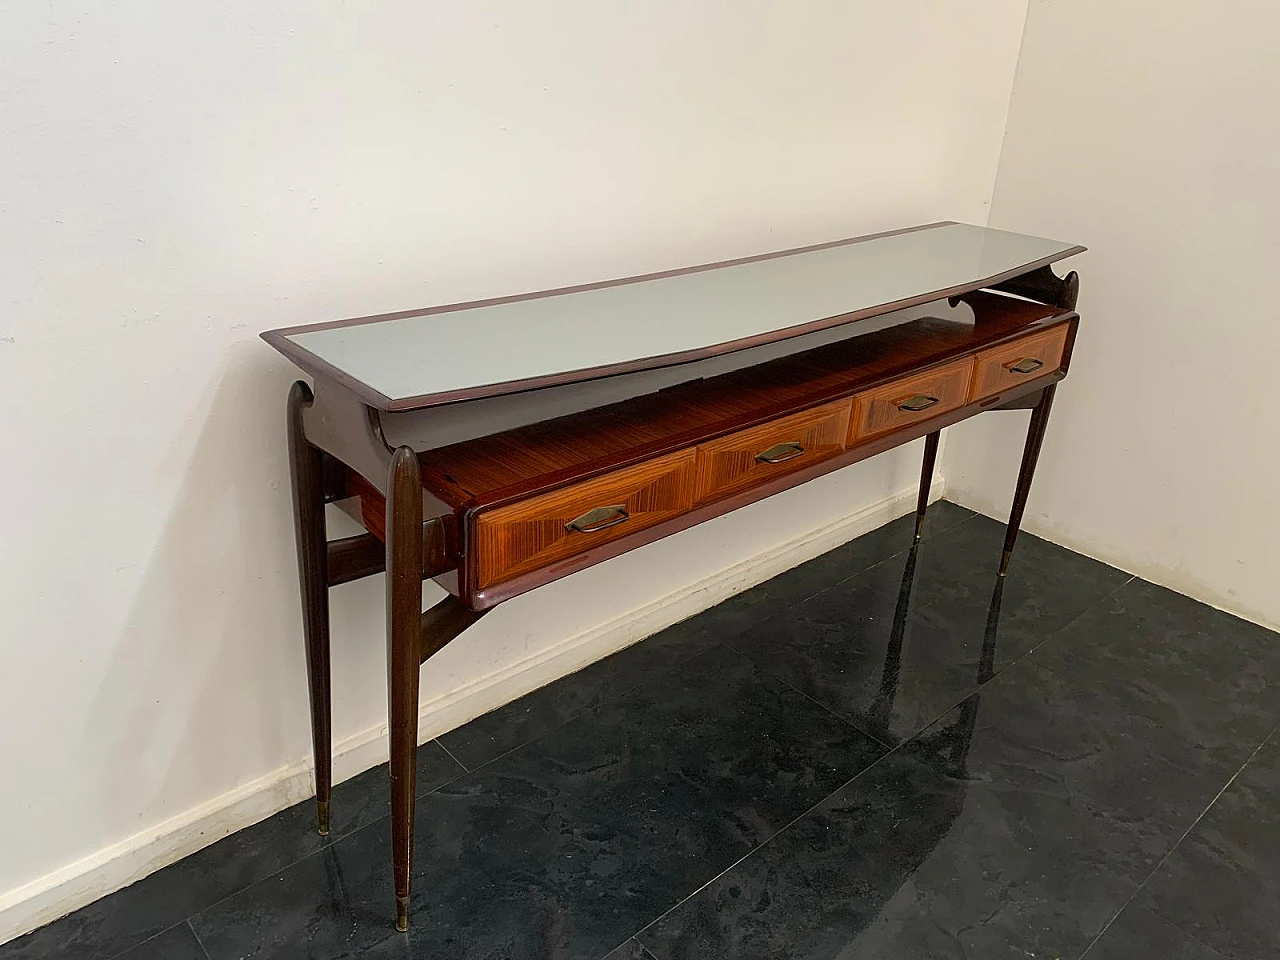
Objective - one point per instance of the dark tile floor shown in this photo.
(882, 753)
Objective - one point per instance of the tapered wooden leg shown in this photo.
(926, 478)
(306, 468)
(404, 628)
(1030, 454)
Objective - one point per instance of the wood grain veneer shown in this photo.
(487, 597)
(439, 534)
(888, 408)
(495, 517)
(997, 368)
(738, 461)
(531, 459)
(534, 532)
(510, 494)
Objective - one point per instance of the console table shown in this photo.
(498, 445)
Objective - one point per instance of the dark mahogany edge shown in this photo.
(324, 370)
(491, 596)
(313, 364)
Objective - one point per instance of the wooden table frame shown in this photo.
(416, 539)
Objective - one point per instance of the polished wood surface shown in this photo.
(1026, 358)
(404, 632)
(514, 492)
(441, 624)
(354, 558)
(306, 473)
(748, 457)
(1043, 285)
(366, 504)
(911, 399)
(526, 460)
(926, 479)
(495, 516)
(537, 531)
(487, 597)
(1030, 455)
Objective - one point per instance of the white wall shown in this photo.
(1149, 132)
(178, 177)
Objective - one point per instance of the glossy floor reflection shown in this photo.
(886, 752)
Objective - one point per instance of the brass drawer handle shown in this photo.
(917, 403)
(599, 518)
(781, 453)
(1025, 365)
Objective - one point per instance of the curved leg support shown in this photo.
(306, 467)
(404, 616)
(926, 478)
(1030, 454)
(412, 636)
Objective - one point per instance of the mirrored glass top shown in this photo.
(443, 355)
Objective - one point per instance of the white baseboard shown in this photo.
(68, 888)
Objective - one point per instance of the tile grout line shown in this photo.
(583, 711)
(440, 743)
(889, 749)
(199, 942)
(890, 752)
(184, 922)
(645, 954)
(1054, 634)
(756, 849)
(978, 689)
(947, 530)
(467, 771)
(325, 846)
(924, 726)
(1194, 939)
(796, 690)
(893, 556)
(576, 715)
(1266, 740)
(851, 576)
(717, 643)
(728, 644)
(1169, 853)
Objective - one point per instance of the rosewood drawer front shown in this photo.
(753, 456)
(1010, 364)
(532, 533)
(911, 399)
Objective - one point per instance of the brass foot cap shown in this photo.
(919, 525)
(402, 914)
(1004, 562)
(322, 817)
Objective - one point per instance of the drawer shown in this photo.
(911, 399)
(753, 456)
(533, 533)
(1010, 364)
